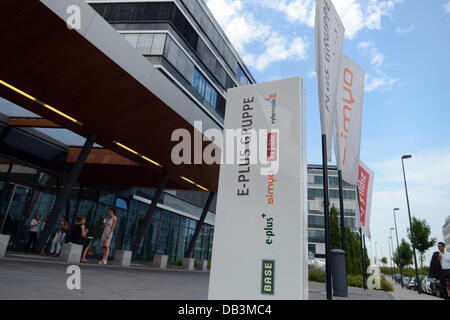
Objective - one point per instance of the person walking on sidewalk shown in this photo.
(105, 242)
(444, 258)
(33, 234)
(59, 237)
(435, 266)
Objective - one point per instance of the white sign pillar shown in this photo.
(260, 238)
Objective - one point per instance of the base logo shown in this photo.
(268, 277)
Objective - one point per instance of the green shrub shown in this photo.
(407, 272)
(386, 270)
(385, 285)
(316, 275)
(355, 280)
(179, 262)
(209, 264)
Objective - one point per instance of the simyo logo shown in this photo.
(74, 19)
(347, 101)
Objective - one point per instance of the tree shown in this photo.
(420, 237)
(353, 254)
(384, 260)
(403, 256)
(335, 232)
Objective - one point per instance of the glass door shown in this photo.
(14, 200)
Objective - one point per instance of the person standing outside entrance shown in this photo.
(33, 234)
(59, 237)
(444, 258)
(105, 242)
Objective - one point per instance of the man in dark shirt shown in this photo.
(435, 266)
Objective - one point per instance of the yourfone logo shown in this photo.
(268, 277)
(272, 146)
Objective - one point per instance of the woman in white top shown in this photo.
(59, 237)
(33, 234)
(105, 242)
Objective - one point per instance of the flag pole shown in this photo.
(341, 203)
(361, 236)
(364, 259)
(326, 212)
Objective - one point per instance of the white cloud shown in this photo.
(381, 82)
(243, 29)
(301, 11)
(240, 28)
(402, 31)
(312, 74)
(355, 14)
(447, 7)
(278, 48)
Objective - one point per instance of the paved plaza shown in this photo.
(32, 277)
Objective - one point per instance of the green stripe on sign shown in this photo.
(268, 277)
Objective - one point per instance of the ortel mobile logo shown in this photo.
(273, 103)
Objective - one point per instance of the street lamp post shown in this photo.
(418, 286)
(390, 255)
(392, 245)
(376, 254)
(398, 248)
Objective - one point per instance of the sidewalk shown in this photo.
(317, 291)
(400, 293)
(28, 276)
(45, 278)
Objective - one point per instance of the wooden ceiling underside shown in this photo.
(58, 66)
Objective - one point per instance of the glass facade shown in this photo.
(204, 88)
(332, 193)
(168, 12)
(28, 190)
(165, 46)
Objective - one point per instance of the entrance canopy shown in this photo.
(92, 81)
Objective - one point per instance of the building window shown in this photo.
(318, 180)
(316, 221)
(240, 74)
(317, 236)
(203, 87)
(334, 181)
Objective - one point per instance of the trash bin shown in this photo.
(338, 273)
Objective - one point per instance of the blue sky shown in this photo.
(403, 45)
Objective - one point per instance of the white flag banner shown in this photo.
(365, 189)
(347, 142)
(329, 34)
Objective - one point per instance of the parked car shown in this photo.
(406, 281)
(426, 288)
(435, 287)
(411, 283)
